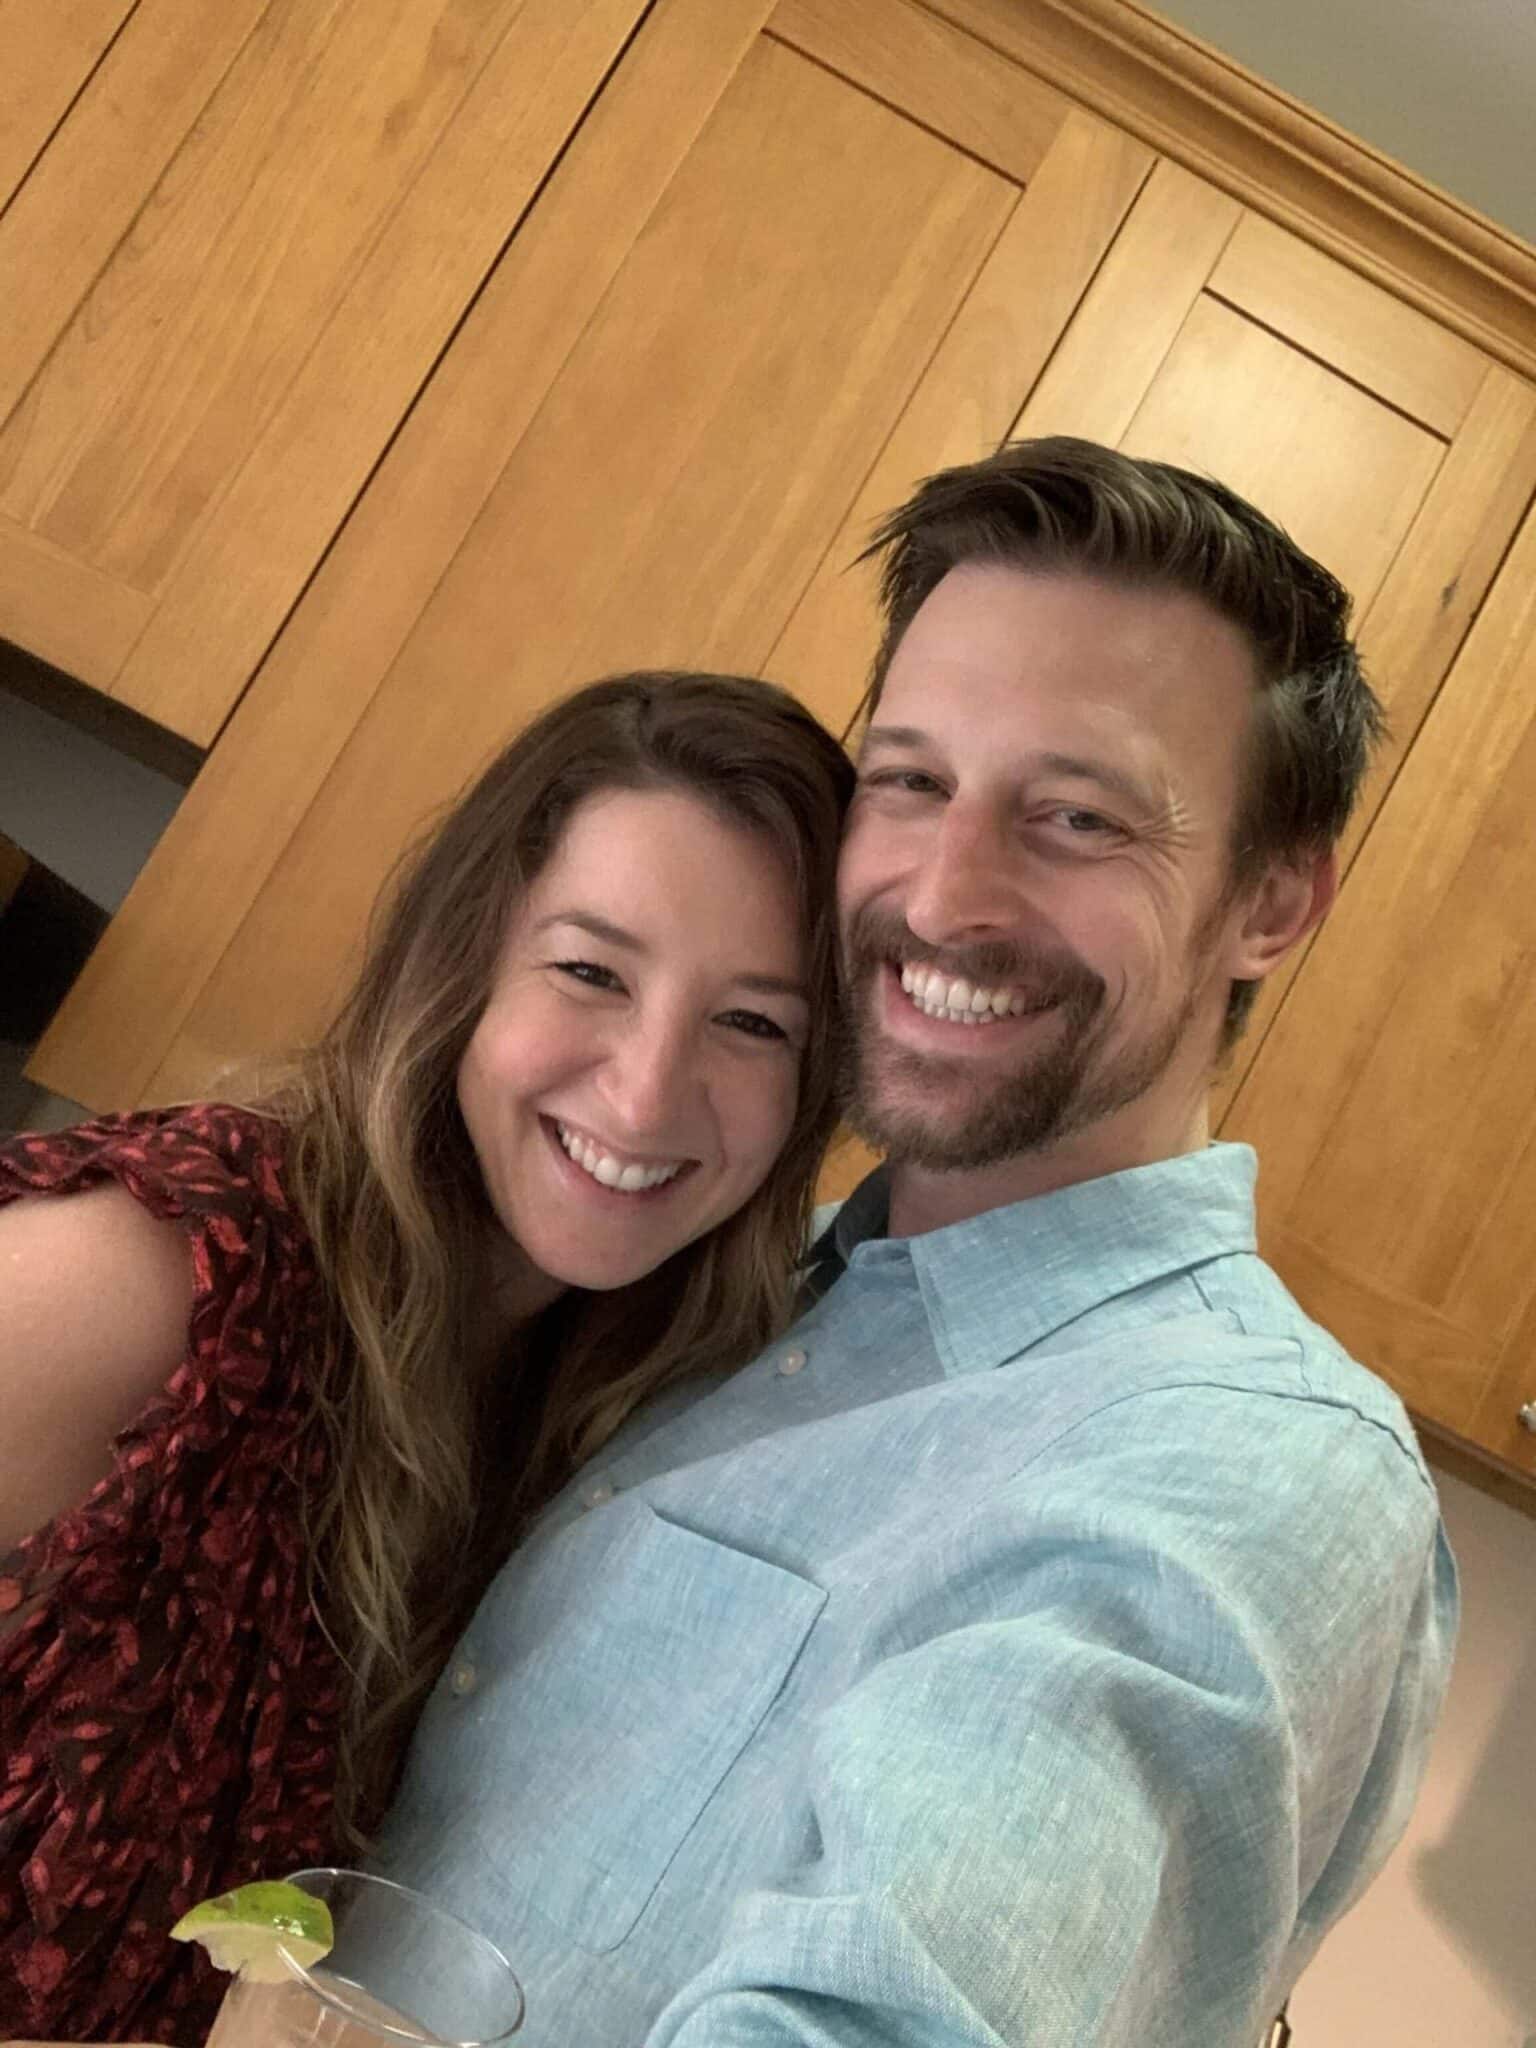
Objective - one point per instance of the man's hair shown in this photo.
(1064, 504)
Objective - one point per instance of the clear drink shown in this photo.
(327, 2012)
(402, 1974)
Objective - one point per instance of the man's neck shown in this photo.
(922, 1200)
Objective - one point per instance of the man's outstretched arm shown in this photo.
(1166, 1724)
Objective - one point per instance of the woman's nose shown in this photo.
(649, 1077)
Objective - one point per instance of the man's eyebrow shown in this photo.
(903, 736)
(1081, 769)
(613, 934)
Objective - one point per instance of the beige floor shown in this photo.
(1441, 1952)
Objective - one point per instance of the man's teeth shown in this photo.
(960, 1002)
(602, 1166)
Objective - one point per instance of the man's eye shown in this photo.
(589, 973)
(754, 1024)
(1083, 824)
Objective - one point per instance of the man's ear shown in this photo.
(1290, 901)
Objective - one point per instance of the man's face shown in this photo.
(1037, 919)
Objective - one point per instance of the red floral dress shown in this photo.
(168, 1703)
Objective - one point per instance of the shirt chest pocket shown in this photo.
(610, 1737)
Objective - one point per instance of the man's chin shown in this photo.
(931, 1121)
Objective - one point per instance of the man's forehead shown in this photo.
(1105, 656)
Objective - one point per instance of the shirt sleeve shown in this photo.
(1172, 1719)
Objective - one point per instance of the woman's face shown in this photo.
(636, 1071)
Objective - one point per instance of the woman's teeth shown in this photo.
(960, 1002)
(613, 1173)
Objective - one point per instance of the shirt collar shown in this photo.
(997, 1283)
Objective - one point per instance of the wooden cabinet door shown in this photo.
(225, 277)
(1393, 1102)
(783, 236)
(1385, 1078)
(1393, 450)
(859, 246)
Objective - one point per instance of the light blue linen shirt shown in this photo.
(1038, 1646)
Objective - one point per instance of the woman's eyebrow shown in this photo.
(599, 927)
(615, 935)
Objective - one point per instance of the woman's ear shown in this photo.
(1290, 901)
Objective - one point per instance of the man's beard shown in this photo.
(901, 1102)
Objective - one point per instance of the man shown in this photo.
(1040, 1645)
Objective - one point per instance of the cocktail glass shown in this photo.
(403, 1974)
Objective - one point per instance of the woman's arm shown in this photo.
(95, 1296)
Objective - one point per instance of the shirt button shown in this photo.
(791, 1363)
(463, 1678)
(597, 1493)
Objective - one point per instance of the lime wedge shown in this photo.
(244, 1929)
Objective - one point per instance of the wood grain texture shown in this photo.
(235, 581)
(1342, 472)
(1320, 305)
(1391, 1103)
(1496, 1426)
(1410, 635)
(100, 168)
(958, 88)
(1132, 315)
(46, 55)
(1198, 108)
(64, 611)
(104, 1044)
(683, 477)
(969, 395)
(197, 326)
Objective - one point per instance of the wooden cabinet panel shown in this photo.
(107, 158)
(854, 245)
(45, 58)
(677, 488)
(1392, 1104)
(1131, 318)
(1410, 635)
(50, 601)
(213, 403)
(1012, 319)
(1364, 333)
(213, 859)
(1340, 470)
(958, 88)
(1414, 526)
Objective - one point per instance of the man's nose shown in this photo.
(967, 883)
(649, 1076)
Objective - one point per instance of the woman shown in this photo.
(283, 1383)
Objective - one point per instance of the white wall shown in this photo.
(1444, 86)
(1441, 1952)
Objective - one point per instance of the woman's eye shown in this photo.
(589, 973)
(754, 1024)
(908, 781)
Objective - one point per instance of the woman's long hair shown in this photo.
(439, 1456)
